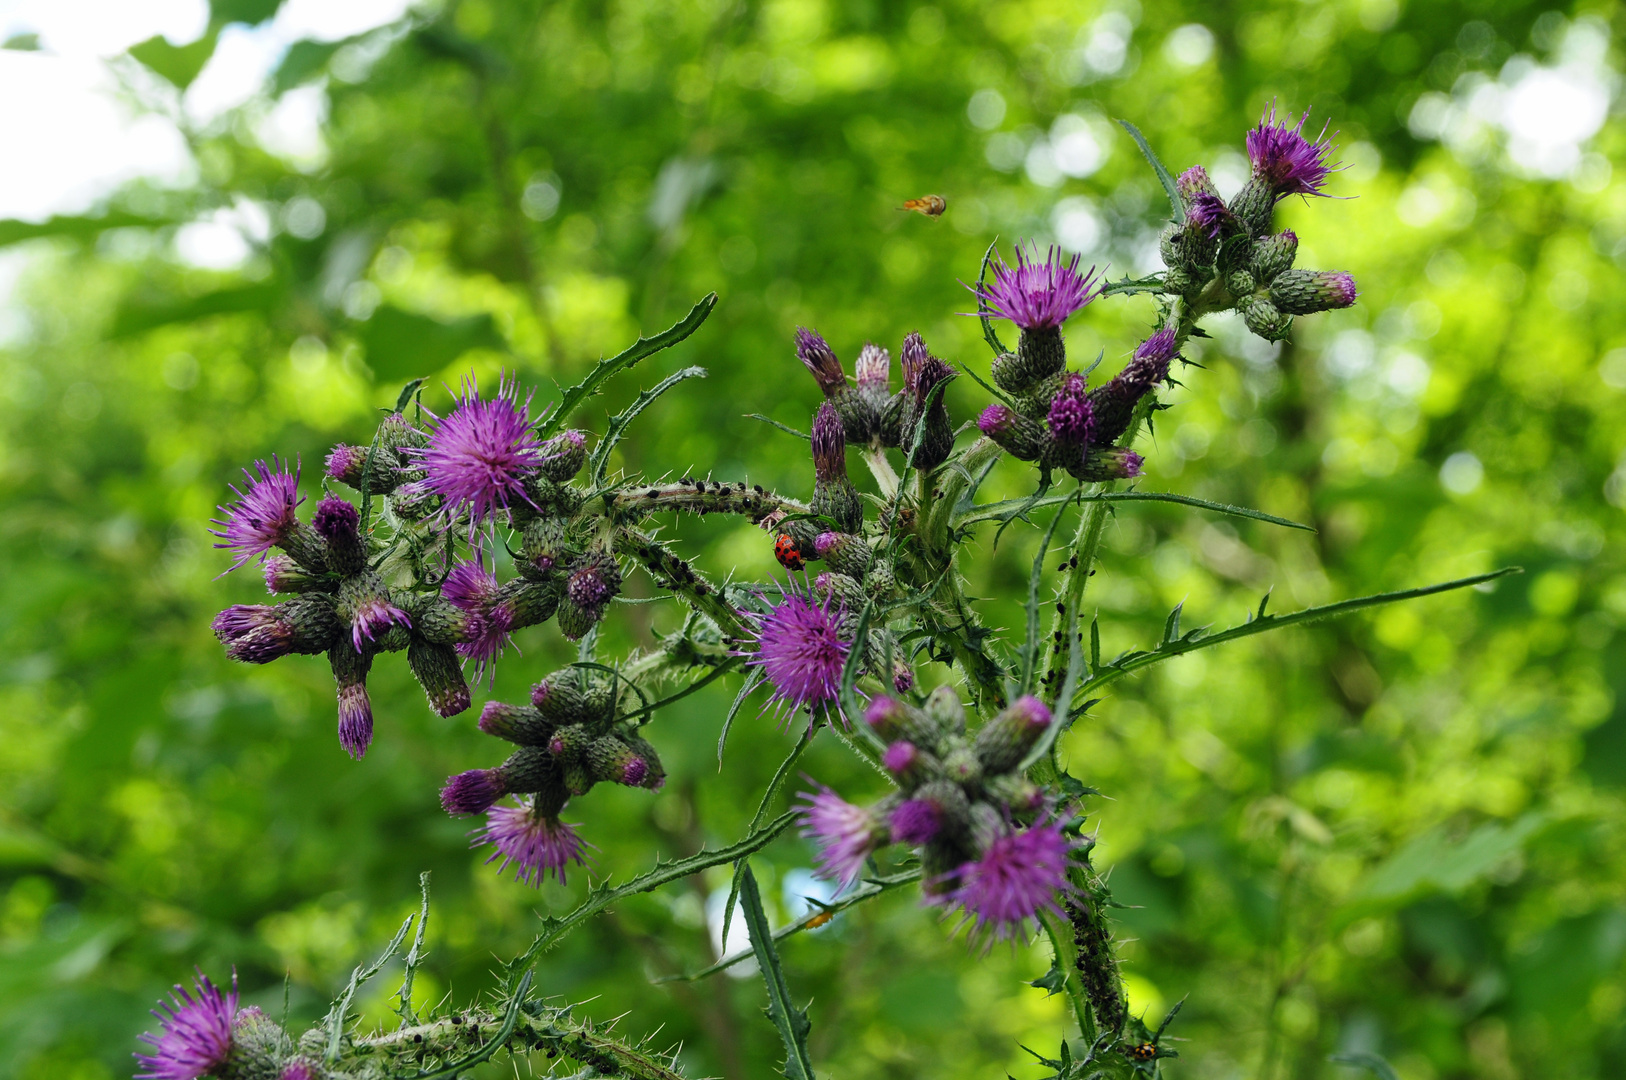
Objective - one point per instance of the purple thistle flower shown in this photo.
(829, 446)
(1020, 875)
(846, 834)
(263, 516)
(916, 822)
(284, 575)
(1208, 212)
(355, 719)
(336, 520)
(798, 646)
(195, 1033)
(899, 757)
(1284, 158)
(874, 368)
(479, 455)
(591, 587)
(534, 843)
(472, 792)
(817, 356)
(1072, 418)
(1037, 295)
(472, 588)
(346, 463)
(254, 633)
(903, 677)
(375, 615)
(297, 1070)
(921, 370)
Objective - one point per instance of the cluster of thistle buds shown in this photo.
(354, 596)
(1227, 254)
(988, 843)
(567, 740)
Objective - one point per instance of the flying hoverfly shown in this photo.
(931, 206)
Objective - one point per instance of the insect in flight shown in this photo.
(930, 205)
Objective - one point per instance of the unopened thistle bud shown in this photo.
(654, 773)
(521, 724)
(526, 603)
(355, 709)
(545, 548)
(846, 553)
(562, 456)
(1274, 254)
(881, 582)
(833, 494)
(1264, 318)
(1207, 220)
(923, 375)
(445, 623)
(348, 465)
(399, 434)
(819, 359)
(261, 633)
(907, 762)
(613, 761)
(1114, 403)
(1017, 435)
(284, 575)
(440, 675)
(338, 523)
(415, 501)
(1107, 463)
(1003, 741)
(590, 586)
(893, 720)
(571, 696)
(943, 708)
(1305, 292)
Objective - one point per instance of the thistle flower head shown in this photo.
(1284, 158)
(535, 844)
(594, 583)
(916, 822)
(1193, 182)
(194, 1036)
(829, 445)
(254, 633)
(874, 367)
(1072, 418)
(1208, 213)
(899, 756)
(798, 646)
(263, 515)
(921, 370)
(472, 792)
(355, 719)
(1019, 875)
(1037, 295)
(336, 519)
(297, 1069)
(375, 615)
(347, 463)
(846, 834)
(480, 453)
(473, 588)
(817, 356)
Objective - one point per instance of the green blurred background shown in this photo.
(1400, 834)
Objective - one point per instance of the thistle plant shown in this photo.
(983, 821)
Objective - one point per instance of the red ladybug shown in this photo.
(788, 554)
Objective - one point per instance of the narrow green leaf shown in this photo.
(335, 1019)
(786, 428)
(723, 668)
(1095, 643)
(792, 1022)
(405, 397)
(1134, 661)
(1162, 174)
(988, 334)
(618, 423)
(1171, 626)
(757, 819)
(414, 957)
(639, 350)
(1001, 511)
(752, 681)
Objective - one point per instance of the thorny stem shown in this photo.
(880, 468)
(550, 1029)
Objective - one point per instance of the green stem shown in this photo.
(1060, 934)
(885, 477)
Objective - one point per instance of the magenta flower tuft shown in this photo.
(297, 1070)
(336, 519)
(375, 615)
(874, 368)
(798, 646)
(263, 516)
(829, 446)
(472, 588)
(1284, 158)
(533, 843)
(916, 822)
(355, 719)
(479, 455)
(1072, 418)
(1037, 295)
(899, 756)
(195, 1033)
(1208, 213)
(846, 834)
(472, 792)
(817, 356)
(1020, 875)
(254, 633)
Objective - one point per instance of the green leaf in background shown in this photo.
(303, 61)
(139, 314)
(401, 344)
(1433, 862)
(252, 12)
(178, 64)
(77, 227)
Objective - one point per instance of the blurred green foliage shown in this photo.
(1399, 834)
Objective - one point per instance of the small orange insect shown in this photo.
(930, 205)
(820, 919)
